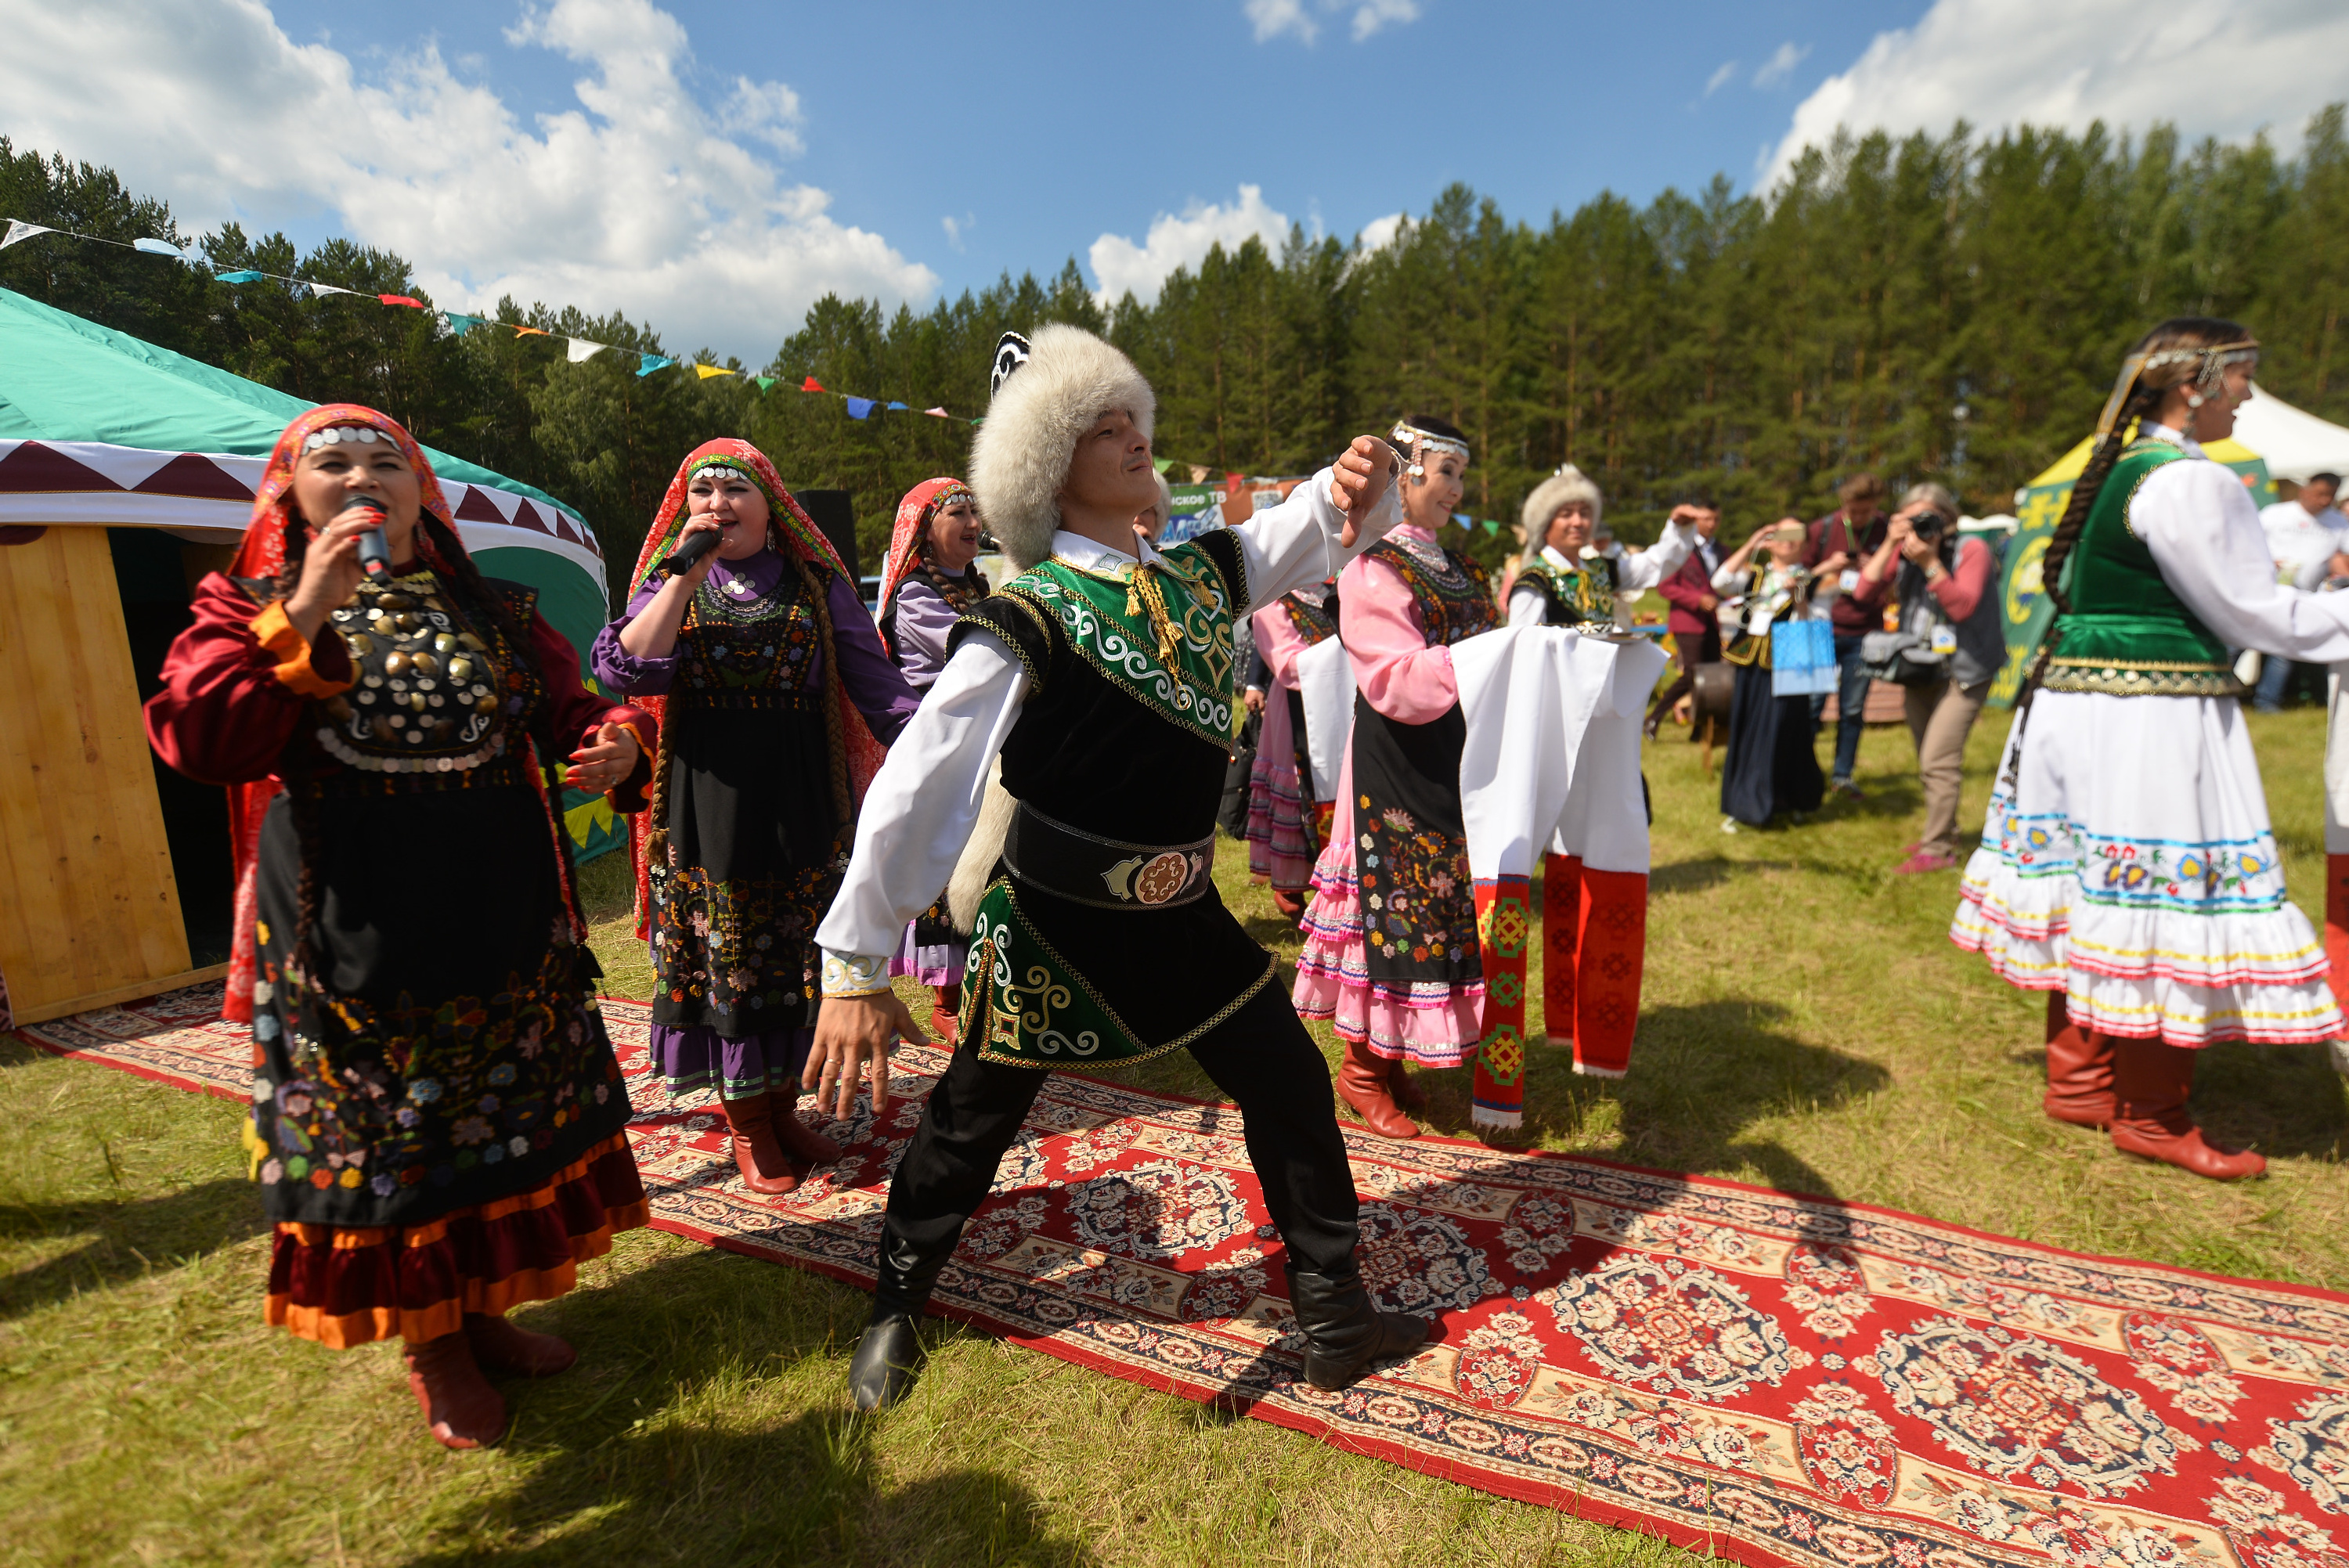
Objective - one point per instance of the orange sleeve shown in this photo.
(274, 631)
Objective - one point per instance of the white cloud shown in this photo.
(1780, 66)
(956, 228)
(1720, 78)
(2212, 70)
(1119, 264)
(1274, 18)
(649, 199)
(1380, 232)
(1374, 14)
(1271, 19)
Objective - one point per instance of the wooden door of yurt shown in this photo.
(89, 911)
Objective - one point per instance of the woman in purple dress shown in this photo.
(778, 698)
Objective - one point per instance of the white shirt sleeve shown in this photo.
(2206, 537)
(1295, 544)
(1658, 560)
(1730, 580)
(921, 808)
(1528, 606)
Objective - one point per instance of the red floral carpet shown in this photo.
(1774, 1379)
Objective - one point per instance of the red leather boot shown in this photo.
(2150, 1083)
(944, 1017)
(2079, 1070)
(1407, 1093)
(802, 1144)
(460, 1406)
(765, 1169)
(500, 1346)
(1363, 1084)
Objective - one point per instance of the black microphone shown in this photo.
(695, 547)
(375, 551)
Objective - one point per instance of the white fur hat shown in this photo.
(1020, 458)
(1569, 483)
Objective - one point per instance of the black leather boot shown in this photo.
(1344, 1333)
(890, 1353)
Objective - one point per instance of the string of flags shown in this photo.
(579, 350)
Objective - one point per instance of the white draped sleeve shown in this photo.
(1528, 605)
(2205, 536)
(1658, 560)
(1295, 544)
(923, 803)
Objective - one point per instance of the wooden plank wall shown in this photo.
(88, 907)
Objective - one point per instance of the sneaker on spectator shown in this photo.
(1926, 860)
(1847, 790)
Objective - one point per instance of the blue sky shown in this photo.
(715, 169)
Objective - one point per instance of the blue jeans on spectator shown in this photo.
(2268, 696)
(1851, 705)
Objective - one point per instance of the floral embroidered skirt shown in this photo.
(1435, 1023)
(1280, 831)
(2131, 866)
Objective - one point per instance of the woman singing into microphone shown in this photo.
(438, 1120)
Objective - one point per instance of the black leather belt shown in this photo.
(1106, 874)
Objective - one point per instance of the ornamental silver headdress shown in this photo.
(1422, 444)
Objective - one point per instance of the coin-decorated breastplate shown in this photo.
(754, 652)
(440, 698)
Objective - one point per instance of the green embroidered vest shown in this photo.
(1576, 599)
(1161, 634)
(2126, 632)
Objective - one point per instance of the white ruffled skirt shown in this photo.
(2130, 865)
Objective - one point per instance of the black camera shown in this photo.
(1928, 525)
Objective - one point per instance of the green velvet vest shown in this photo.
(2126, 633)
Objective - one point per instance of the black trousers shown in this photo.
(1261, 1057)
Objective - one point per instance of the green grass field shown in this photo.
(1807, 1026)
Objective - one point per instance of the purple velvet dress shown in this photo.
(934, 950)
(756, 843)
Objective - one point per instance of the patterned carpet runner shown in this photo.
(1770, 1379)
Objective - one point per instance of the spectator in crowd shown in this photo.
(1772, 767)
(1694, 619)
(1849, 534)
(1942, 583)
(2309, 540)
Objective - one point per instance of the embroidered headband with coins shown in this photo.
(1419, 444)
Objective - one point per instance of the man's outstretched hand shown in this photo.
(853, 1038)
(1359, 481)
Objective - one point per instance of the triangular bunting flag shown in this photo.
(162, 248)
(707, 371)
(459, 325)
(898, 408)
(811, 384)
(1492, 528)
(320, 291)
(532, 332)
(242, 277)
(764, 382)
(1463, 519)
(938, 413)
(401, 299)
(648, 363)
(581, 351)
(860, 408)
(20, 230)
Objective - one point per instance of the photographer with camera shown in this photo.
(1943, 654)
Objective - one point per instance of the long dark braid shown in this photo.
(516, 634)
(2138, 401)
(294, 769)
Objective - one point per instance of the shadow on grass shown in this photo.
(688, 1435)
(2285, 1101)
(1701, 1076)
(1697, 875)
(131, 1239)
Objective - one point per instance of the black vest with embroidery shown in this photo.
(1454, 595)
(1580, 600)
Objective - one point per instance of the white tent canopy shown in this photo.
(2294, 442)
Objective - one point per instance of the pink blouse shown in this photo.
(1278, 640)
(1386, 642)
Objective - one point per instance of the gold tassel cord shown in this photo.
(1145, 597)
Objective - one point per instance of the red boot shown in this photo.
(1407, 1094)
(757, 1155)
(2150, 1082)
(946, 1017)
(460, 1406)
(2079, 1070)
(1362, 1085)
(1289, 905)
(803, 1144)
(500, 1346)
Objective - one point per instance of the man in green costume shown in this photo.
(1101, 677)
